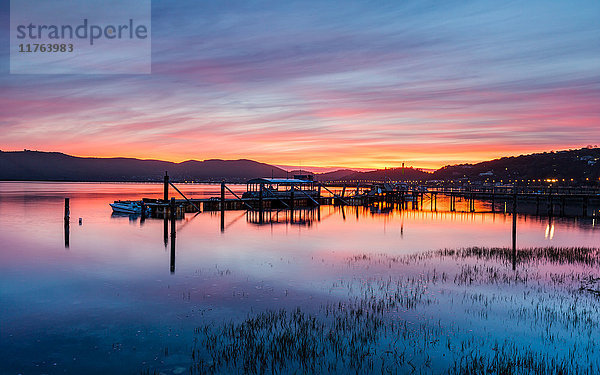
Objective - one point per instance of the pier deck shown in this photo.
(581, 202)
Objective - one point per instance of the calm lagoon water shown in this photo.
(343, 289)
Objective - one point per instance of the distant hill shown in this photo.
(334, 175)
(54, 166)
(394, 174)
(576, 164)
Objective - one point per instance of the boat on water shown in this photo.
(128, 207)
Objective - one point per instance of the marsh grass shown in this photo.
(417, 319)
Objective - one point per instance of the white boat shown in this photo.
(127, 207)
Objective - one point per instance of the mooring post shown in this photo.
(165, 227)
(514, 232)
(173, 212)
(166, 188)
(143, 212)
(260, 199)
(67, 210)
(172, 263)
(222, 206)
(67, 222)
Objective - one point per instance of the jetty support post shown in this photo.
(165, 227)
(67, 209)
(585, 206)
(260, 199)
(143, 212)
(173, 214)
(173, 233)
(222, 206)
(514, 229)
(166, 188)
(67, 220)
(222, 203)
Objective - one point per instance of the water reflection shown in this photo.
(126, 292)
(300, 216)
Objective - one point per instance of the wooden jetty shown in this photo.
(276, 194)
(270, 201)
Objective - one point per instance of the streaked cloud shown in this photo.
(353, 83)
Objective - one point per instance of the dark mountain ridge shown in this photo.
(54, 166)
(581, 165)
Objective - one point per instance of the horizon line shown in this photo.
(310, 168)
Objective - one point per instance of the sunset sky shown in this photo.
(366, 84)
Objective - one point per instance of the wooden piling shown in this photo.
(67, 231)
(173, 233)
(166, 188)
(143, 213)
(67, 209)
(222, 206)
(165, 228)
(514, 231)
(260, 198)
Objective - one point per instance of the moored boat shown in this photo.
(127, 207)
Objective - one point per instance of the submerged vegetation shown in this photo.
(450, 311)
